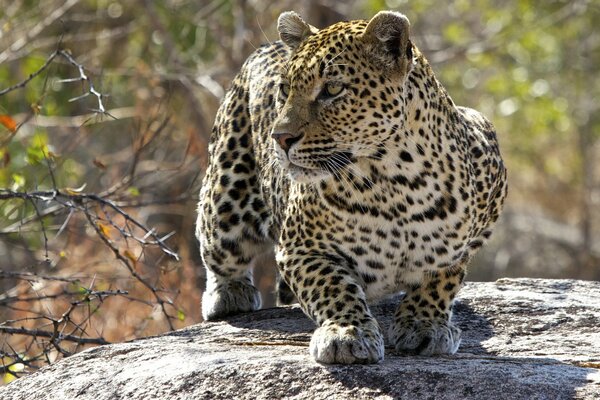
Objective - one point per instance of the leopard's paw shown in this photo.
(232, 297)
(424, 337)
(333, 344)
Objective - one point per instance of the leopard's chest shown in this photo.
(388, 254)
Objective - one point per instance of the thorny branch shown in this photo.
(80, 201)
(50, 336)
(43, 335)
(129, 264)
(83, 77)
(24, 83)
(83, 202)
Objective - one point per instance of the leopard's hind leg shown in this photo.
(231, 213)
(422, 323)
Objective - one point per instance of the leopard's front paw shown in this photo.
(425, 337)
(229, 298)
(333, 344)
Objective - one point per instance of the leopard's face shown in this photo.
(336, 104)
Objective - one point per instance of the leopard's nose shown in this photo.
(286, 139)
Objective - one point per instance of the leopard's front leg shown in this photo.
(329, 293)
(422, 322)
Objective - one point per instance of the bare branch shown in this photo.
(23, 83)
(29, 276)
(51, 311)
(41, 333)
(127, 263)
(83, 77)
(79, 201)
(43, 226)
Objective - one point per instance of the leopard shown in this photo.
(339, 150)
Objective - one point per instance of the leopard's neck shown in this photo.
(425, 98)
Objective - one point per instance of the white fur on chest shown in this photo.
(389, 256)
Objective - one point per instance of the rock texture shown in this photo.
(522, 339)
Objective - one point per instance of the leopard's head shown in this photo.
(340, 95)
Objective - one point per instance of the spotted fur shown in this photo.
(339, 148)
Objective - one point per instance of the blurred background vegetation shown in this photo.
(97, 185)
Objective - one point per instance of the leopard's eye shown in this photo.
(284, 89)
(332, 89)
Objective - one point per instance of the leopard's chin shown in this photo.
(306, 175)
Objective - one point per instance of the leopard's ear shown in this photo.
(388, 37)
(292, 29)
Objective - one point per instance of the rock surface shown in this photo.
(522, 339)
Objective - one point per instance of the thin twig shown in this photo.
(42, 333)
(30, 276)
(83, 77)
(23, 83)
(127, 263)
(43, 226)
(76, 200)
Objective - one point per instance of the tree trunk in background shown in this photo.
(586, 210)
(321, 13)
(585, 108)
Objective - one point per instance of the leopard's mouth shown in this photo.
(325, 166)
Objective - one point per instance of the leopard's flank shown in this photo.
(339, 148)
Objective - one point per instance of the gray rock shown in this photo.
(522, 339)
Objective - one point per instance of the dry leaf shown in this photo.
(127, 253)
(105, 229)
(99, 163)
(75, 191)
(8, 122)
